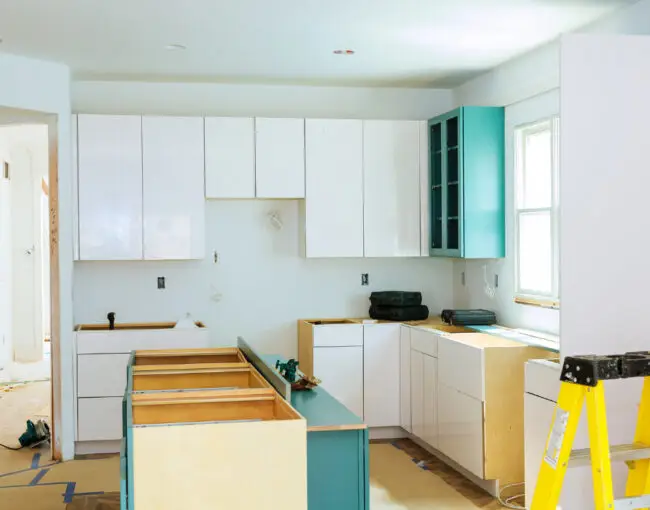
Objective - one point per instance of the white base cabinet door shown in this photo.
(460, 428)
(429, 397)
(405, 378)
(417, 394)
(381, 375)
(341, 370)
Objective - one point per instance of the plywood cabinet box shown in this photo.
(101, 359)
(218, 429)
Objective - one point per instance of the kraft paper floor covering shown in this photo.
(29, 480)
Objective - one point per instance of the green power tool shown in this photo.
(36, 433)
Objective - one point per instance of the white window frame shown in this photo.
(531, 296)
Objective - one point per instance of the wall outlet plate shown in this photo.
(161, 282)
(365, 280)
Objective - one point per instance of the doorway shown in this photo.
(26, 267)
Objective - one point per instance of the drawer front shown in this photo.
(460, 428)
(338, 335)
(543, 379)
(101, 375)
(99, 419)
(424, 341)
(113, 342)
(461, 367)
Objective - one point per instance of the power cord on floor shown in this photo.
(508, 502)
(11, 448)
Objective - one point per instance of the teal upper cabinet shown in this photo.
(467, 176)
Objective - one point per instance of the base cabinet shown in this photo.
(381, 378)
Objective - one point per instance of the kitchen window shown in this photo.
(536, 213)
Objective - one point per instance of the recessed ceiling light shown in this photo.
(343, 52)
(175, 47)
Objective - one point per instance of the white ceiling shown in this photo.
(416, 43)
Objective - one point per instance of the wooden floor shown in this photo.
(403, 476)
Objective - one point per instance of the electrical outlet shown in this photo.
(462, 278)
(496, 281)
(365, 280)
(161, 282)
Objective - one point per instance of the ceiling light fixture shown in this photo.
(343, 52)
(175, 47)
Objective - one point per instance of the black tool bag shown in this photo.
(399, 313)
(475, 317)
(395, 298)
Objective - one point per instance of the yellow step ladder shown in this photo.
(582, 379)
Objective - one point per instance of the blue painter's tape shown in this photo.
(39, 476)
(36, 459)
(25, 470)
(69, 492)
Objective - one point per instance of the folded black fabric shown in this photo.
(476, 317)
(395, 298)
(399, 313)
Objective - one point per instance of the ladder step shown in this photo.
(618, 453)
(630, 503)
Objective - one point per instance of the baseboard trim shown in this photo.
(489, 486)
(387, 433)
(95, 447)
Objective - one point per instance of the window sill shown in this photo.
(541, 303)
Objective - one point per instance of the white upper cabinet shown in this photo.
(391, 168)
(110, 187)
(174, 205)
(334, 188)
(229, 157)
(280, 158)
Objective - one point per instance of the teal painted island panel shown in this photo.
(337, 450)
(467, 179)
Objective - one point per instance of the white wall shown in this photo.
(6, 347)
(260, 286)
(529, 88)
(39, 86)
(258, 100)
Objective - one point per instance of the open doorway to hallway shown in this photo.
(25, 364)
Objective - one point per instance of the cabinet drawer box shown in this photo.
(461, 367)
(99, 419)
(338, 335)
(176, 357)
(180, 378)
(424, 341)
(101, 375)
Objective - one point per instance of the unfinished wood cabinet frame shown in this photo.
(183, 378)
(170, 357)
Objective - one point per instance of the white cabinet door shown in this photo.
(405, 377)
(101, 375)
(391, 188)
(110, 187)
(417, 394)
(75, 187)
(280, 158)
(425, 190)
(334, 188)
(99, 419)
(341, 371)
(429, 396)
(460, 428)
(453, 354)
(229, 157)
(174, 204)
(381, 380)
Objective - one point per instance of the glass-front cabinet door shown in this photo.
(446, 184)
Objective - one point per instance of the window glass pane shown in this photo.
(535, 253)
(535, 180)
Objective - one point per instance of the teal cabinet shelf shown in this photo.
(467, 180)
